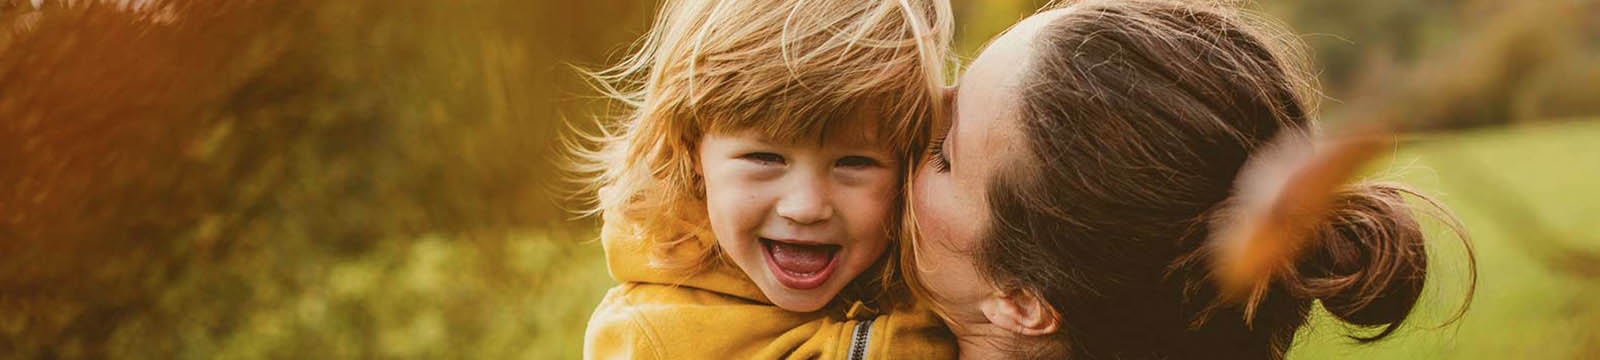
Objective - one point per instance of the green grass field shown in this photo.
(1525, 307)
(1527, 197)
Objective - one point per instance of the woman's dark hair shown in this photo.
(1138, 116)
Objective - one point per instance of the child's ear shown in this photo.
(698, 178)
(695, 163)
(1021, 311)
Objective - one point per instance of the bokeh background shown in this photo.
(375, 178)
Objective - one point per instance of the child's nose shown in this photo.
(807, 204)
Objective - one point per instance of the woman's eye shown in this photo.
(764, 158)
(937, 157)
(856, 162)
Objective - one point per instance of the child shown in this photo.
(751, 194)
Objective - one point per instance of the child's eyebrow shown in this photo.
(762, 137)
(856, 139)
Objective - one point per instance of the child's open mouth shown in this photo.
(800, 266)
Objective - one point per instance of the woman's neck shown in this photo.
(983, 341)
(970, 348)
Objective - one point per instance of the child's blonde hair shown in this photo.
(788, 69)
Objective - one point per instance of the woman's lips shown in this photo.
(800, 266)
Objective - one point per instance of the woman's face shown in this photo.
(950, 202)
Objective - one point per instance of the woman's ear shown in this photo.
(1021, 311)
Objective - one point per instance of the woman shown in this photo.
(1090, 149)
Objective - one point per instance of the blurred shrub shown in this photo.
(1427, 64)
(196, 178)
(1499, 64)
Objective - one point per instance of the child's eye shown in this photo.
(764, 158)
(855, 162)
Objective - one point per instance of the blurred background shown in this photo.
(374, 178)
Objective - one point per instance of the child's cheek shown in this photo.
(732, 200)
(870, 204)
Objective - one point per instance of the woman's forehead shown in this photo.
(1007, 55)
(985, 104)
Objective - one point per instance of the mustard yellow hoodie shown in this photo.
(720, 314)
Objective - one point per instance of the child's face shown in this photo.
(801, 218)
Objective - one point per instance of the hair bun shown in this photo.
(1368, 262)
(1295, 225)
(1283, 197)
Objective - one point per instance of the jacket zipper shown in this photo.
(858, 342)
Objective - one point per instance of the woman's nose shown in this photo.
(806, 204)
